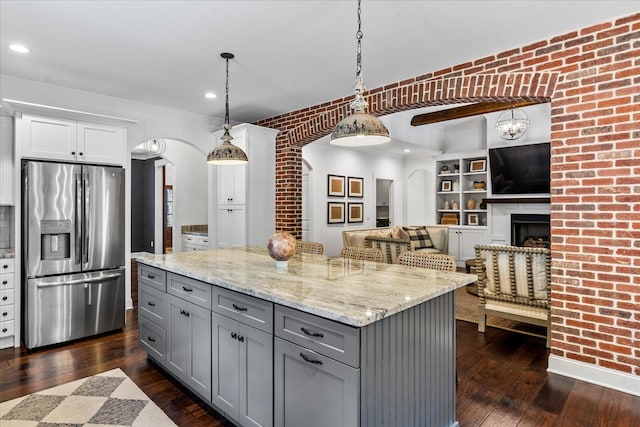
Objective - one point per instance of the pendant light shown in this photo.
(360, 128)
(227, 153)
(512, 124)
(155, 146)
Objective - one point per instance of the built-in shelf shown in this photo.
(517, 200)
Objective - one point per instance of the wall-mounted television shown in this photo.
(520, 169)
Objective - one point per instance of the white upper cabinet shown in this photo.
(69, 140)
(6, 161)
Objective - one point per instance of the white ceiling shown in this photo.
(289, 54)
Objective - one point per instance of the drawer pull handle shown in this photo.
(151, 276)
(240, 338)
(234, 335)
(5, 314)
(151, 339)
(4, 298)
(184, 288)
(151, 304)
(237, 307)
(4, 329)
(310, 360)
(312, 334)
(5, 266)
(4, 282)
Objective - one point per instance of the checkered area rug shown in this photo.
(107, 399)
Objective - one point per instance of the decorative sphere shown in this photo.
(281, 246)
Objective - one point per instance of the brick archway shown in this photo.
(309, 125)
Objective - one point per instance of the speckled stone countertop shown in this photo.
(352, 292)
(7, 253)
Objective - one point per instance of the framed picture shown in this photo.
(477, 165)
(336, 186)
(355, 186)
(355, 212)
(335, 213)
(445, 185)
(472, 219)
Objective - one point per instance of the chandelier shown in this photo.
(227, 153)
(512, 124)
(359, 128)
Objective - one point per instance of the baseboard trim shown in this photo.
(621, 381)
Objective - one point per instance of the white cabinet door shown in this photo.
(232, 227)
(100, 144)
(48, 138)
(232, 180)
(6, 161)
(463, 240)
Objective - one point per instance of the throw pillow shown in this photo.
(419, 238)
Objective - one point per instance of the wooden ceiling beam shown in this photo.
(467, 111)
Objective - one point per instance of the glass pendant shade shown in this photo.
(512, 124)
(227, 153)
(155, 146)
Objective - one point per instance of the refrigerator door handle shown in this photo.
(79, 215)
(85, 214)
(79, 281)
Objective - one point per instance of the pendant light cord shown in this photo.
(359, 49)
(226, 105)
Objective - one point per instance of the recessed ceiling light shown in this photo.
(210, 95)
(406, 150)
(19, 48)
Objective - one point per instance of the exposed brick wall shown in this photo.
(592, 77)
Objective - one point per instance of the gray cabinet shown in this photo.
(313, 390)
(242, 361)
(189, 344)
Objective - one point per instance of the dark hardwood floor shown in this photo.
(502, 381)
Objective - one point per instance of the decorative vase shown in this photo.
(454, 205)
(471, 204)
(479, 185)
(446, 205)
(456, 185)
(281, 247)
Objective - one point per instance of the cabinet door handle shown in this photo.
(240, 338)
(4, 329)
(312, 334)
(234, 335)
(310, 360)
(151, 339)
(151, 276)
(80, 153)
(237, 307)
(184, 313)
(5, 298)
(5, 266)
(5, 314)
(4, 282)
(184, 288)
(73, 153)
(151, 304)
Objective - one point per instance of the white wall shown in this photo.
(326, 159)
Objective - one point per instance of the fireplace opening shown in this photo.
(531, 230)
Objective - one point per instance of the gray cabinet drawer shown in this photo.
(7, 328)
(153, 339)
(189, 289)
(153, 304)
(244, 308)
(332, 339)
(7, 312)
(152, 276)
(7, 265)
(7, 281)
(6, 297)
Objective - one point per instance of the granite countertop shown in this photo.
(7, 253)
(352, 292)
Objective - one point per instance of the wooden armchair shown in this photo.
(364, 254)
(303, 247)
(514, 283)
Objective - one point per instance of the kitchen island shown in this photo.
(325, 341)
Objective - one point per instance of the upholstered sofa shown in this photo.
(393, 241)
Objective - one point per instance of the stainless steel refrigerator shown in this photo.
(74, 244)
